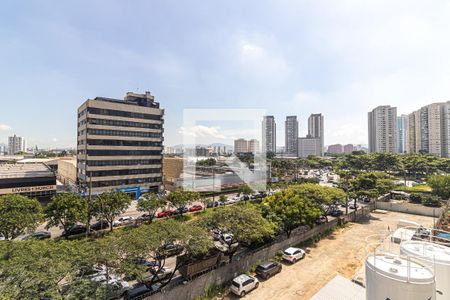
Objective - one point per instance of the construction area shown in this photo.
(341, 253)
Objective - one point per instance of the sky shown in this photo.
(338, 58)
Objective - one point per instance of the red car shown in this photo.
(166, 213)
(195, 208)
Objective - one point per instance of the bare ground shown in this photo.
(343, 252)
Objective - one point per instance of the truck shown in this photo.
(190, 267)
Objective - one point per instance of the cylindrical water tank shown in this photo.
(435, 256)
(394, 277)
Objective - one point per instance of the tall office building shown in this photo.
(269, 134)
(120, 144)
(16, 144)
(253, 146)
(309, 146)
(402, 134)
(291, 135)
(428, 129)
(383, 129)
(316, 129)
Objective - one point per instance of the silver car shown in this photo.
(243, 284)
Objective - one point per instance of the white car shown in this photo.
(243, 284)
(292, 254)
(227, 237)
(123, 220)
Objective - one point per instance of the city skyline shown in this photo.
(309, 58)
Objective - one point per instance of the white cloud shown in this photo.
(201, 131)
(4, 127)
(54, 139)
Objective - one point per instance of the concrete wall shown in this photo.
(243, 261)
(410, 208)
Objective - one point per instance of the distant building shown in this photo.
(348, 149)
(309, 146)
(246, 146)
(120, 144)
(316, 129)
(335, 149)
(240, 146)
(291, 135)
(269, 134)
(172, 170)
(16, 144)
(383, 129)
(402, 134)
(429, 130)
(201, 151)
(34, 180)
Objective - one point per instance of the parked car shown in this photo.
(344, 205)
(227, 237)
(38, 235)
(196, 207)
(102, 224)
(161, 274)
(148, 263)
(140, 290)
(353, 206)
(74, 230)
(145, 216)
(321, 220)
(212, 204)
(268, 269)
(172, 249)
(92, 271)
(165, 213)
(123, 220)
(229, 201)
(180, 210)
(293, 254)
(336, 213)
(243, 284)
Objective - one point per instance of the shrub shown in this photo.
(415, 198)
(433, 201)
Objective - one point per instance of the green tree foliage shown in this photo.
(150, 203)
(18, 215)
(181, 197)
(431, 200)
(440, 185)
(65, 209)
(293, 207)
(372, 184)
(111, 205)
(245, 222)
(206, 162)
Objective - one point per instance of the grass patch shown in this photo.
(416, 188)
(211, 290)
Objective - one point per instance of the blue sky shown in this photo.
(341, 58)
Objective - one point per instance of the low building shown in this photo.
(334, 149)
(309, 146)
(348, 149)
(31, 180)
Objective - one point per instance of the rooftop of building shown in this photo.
(24, 170)
(131, 98)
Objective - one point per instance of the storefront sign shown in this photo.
(28, 189)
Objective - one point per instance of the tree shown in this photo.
(150, 203)
(245, 222)
(289, 210)
(64, 209)
(245, 190)
(181, 197)
(18, 215)
(111, 205)
(440, 185)
(223, 198)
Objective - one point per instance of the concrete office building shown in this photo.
(316, 129)
(383, 129)
(402, 134)
(291, 135)
(120, 144)
(269, 134)
(16, 144)
(428, 130)
(309, 146)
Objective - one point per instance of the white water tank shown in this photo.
(435, 256)
(394, 277)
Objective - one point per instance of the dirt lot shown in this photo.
(343, 253)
